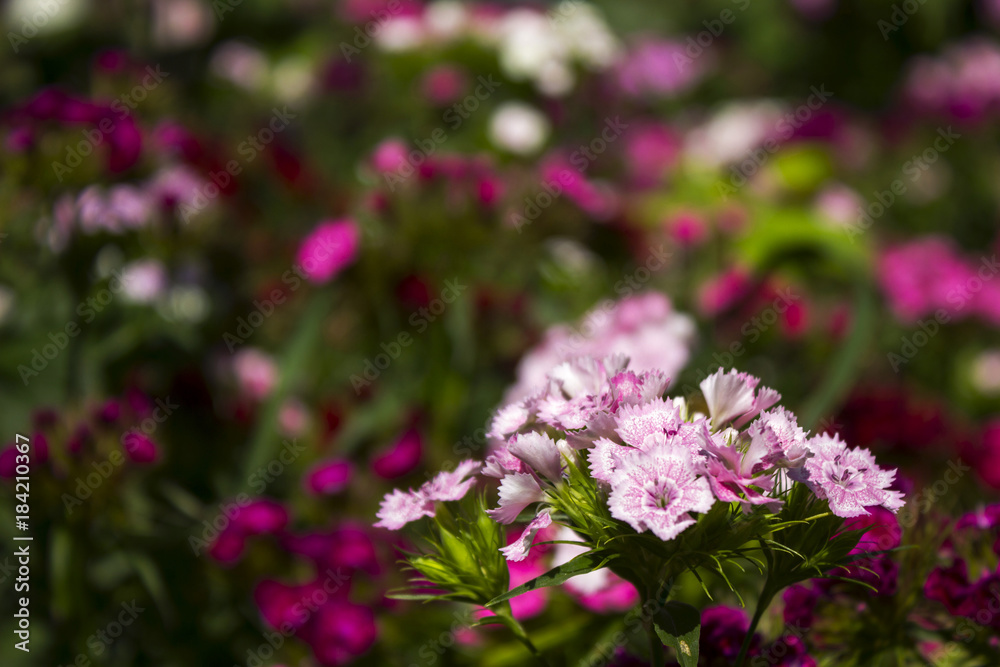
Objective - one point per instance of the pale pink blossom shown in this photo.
(734, 395)
(399, 507)
(657, 491)
(518, 550)
(848, 478)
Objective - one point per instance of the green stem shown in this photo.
(507, 617)
(763, 602)
(657, 657)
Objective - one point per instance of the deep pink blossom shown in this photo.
(401, 458)
(329, 477)
(328, 249)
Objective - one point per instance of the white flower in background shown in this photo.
(241, 64)
(542, 48)
(732, 132)
(518, 128)
(446, 20)
(588, 37)
(400, 33)
(145, 280)
(179, 24)
(44, 16)
(185, 303)
(292, 79)
(986, 372)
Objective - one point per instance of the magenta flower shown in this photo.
(657, 490)
(847, 478)
(261, 516)
(328, 249)
(140, 447)
(342, 632)
(401, 458)
(329, 477)
(401, 507)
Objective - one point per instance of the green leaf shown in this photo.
(678, 625)
(582, 564)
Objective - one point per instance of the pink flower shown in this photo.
(255, 372)
(517, 491)
(261, 516)
(401, 507)
(723, 291)
(519, 548)
(919, 276)
(657, 490)
(329, 477)
(847, 478)
(328, 249)
(644, 327)
(401, 458)
(732, 395)
(140, 448)
(389, 156)
(688, 229)
(342, 632)
(779, 439)
(540, 453)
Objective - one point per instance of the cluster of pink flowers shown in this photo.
(645, 326)
(928, 275)
(660, 462)
(963, 82)
(129, 419)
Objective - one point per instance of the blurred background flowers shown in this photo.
(264, 260)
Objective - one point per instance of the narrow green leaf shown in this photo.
(582, 564)
(678, 625)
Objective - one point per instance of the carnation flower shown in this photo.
(401, 507)
(657, 490)
(732, 395)
(847, 478)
